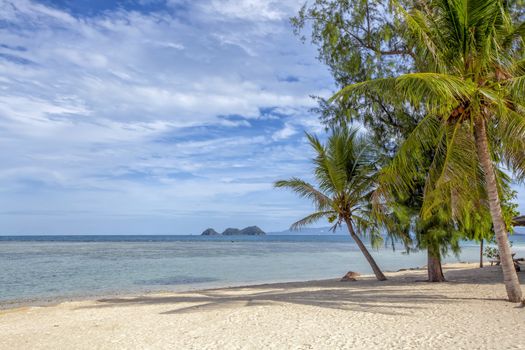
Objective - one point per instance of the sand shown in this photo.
(468, 312)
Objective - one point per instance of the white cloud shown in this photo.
(251, 10)
(127, 112)
(284, 133)
(135, 115)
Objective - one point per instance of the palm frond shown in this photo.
(305, 190)
(312, 218)
(439, 93)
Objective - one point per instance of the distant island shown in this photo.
(247, 231)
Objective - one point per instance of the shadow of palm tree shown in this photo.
(394, 297)
(386, 302)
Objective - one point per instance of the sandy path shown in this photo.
(469, 312)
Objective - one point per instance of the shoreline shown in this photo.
(365, 314)
(56, 300)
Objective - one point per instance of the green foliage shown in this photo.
(370, 44)
(492, 252)
(474, 76)
(421, 78)
(358, 41)
(509, 208)
(345, 172)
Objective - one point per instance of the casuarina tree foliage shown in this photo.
(473, 92)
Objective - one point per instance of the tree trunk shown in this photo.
(481, 254)
(510, 277)
(377, 271)
(435, 272)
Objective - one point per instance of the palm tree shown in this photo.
(344, 170)
(474, 95)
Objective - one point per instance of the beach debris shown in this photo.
(350, 276)
(412, 269)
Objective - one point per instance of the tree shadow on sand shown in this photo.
(397, 296)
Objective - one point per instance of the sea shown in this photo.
(44, 268)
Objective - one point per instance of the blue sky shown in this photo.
(153, 116)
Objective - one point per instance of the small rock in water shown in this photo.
(350, 276)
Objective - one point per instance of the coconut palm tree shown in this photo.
(474, 97)
(344, 171)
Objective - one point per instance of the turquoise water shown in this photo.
(47, 267)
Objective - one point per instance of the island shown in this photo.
(210, 232)
(247, 231)
(231, 232)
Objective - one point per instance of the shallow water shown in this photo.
(38, 268)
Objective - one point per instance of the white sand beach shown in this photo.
(468, 312)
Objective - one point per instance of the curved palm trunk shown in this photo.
(510, 277)
(434, 269)
(377, 271)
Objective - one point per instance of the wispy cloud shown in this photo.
(191, 107)
(153, 116)
(287, 131)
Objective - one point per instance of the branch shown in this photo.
(393, 52)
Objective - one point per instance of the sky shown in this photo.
(153, 116)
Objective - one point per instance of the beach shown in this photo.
(249, 174)
(467, 312)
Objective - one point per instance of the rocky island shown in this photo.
(247, 231)
(210, 232)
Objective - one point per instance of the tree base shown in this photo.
(435, 272)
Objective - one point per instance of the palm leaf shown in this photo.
(306, 190)
(312, 218)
